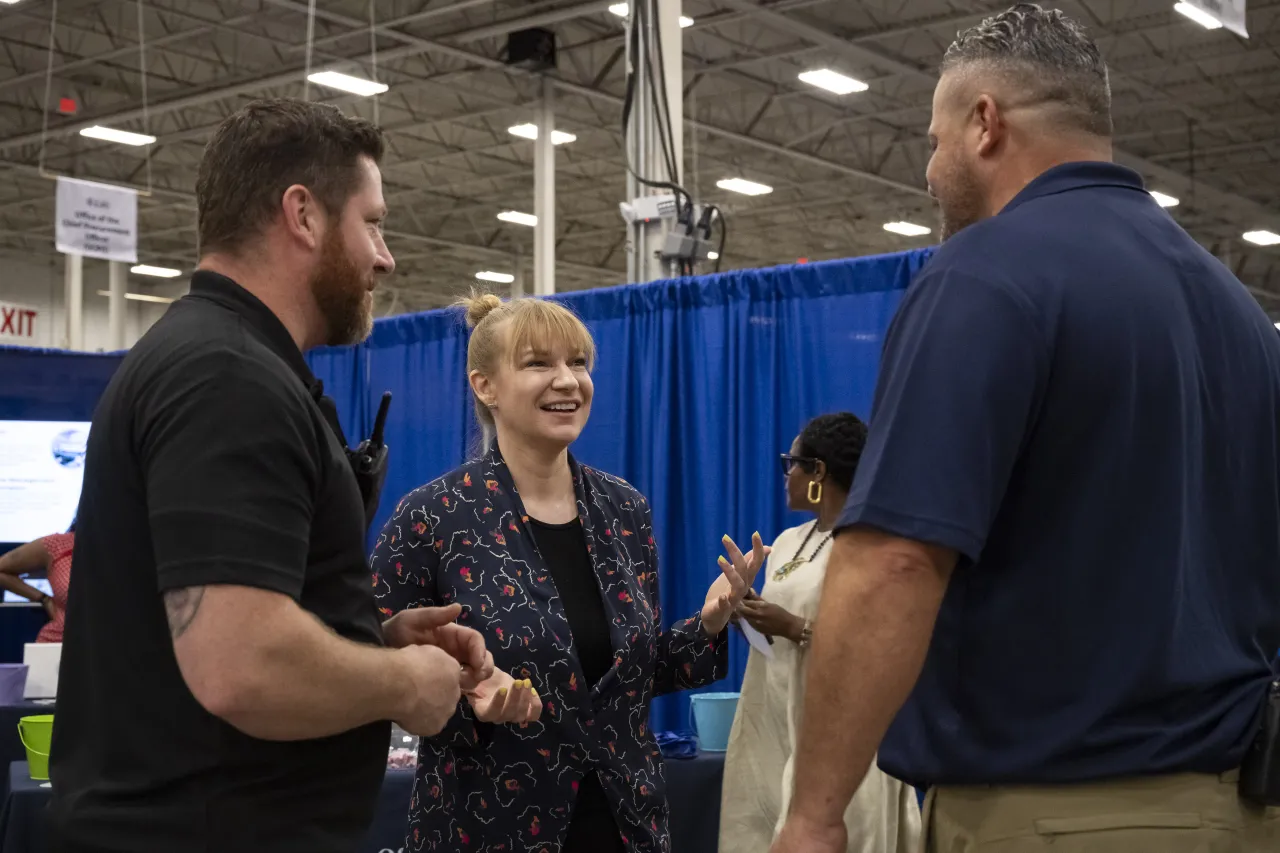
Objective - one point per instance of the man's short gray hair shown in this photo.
(1049, 56)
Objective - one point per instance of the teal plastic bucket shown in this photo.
(713, 718)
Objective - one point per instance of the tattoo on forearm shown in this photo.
(181, 605)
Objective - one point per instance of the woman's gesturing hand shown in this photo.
(502, 699)
(738, 573)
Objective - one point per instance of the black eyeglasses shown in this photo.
(789, 462)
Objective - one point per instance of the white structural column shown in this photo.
(517, 286)
(660, 58)
(73, 277)
(544, 195)
(116, 304)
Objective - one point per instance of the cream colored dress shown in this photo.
(884, 816)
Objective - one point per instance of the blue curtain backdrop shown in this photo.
(700, 384)
(52, 385)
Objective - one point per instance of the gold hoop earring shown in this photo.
(815, 491)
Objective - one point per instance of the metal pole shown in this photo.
(116, 305)
(544, 192)
(668, 26)
(654, 23)
(631, 148)
(73, 277)
(646, 140)
(666, 30)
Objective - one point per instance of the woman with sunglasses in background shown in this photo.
(884, 816)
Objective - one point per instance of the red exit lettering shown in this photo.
(19, 322)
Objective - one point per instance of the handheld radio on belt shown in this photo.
(369, 462)
(1260, 772)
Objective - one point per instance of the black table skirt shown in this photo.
(693, 788)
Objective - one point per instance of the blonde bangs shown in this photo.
(548, 327)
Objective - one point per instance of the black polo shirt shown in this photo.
(209, 462)
(1084, 403)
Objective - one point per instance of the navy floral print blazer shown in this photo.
(485, 787)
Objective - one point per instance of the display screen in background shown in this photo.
(41, 469)
(41, 584)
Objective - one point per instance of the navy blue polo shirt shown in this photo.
(1083, 403)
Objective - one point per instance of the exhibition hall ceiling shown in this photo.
(1197, 112)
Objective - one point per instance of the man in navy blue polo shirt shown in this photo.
(1056, 593)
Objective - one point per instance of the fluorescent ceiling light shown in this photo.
(496, 277)
(530, 131)
(518, 218)
(833, 81)
(142, 297)
(158, 272)
(906, 229)
(619, 9)
(713, 256)
(347, 83)
(742, 185)
(1262, 238)
(1164, 200)
(110, 134)
(1201, 17)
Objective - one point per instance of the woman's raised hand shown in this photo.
(738, 573)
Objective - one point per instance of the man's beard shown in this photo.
(961, 204)
(342, 295)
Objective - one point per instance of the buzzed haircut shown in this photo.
(1049, 56)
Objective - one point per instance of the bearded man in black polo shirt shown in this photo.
(225, 679)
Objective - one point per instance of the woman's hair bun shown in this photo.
(478, 306)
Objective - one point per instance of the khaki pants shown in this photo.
(1185, 813)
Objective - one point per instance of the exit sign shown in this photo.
(20, 324)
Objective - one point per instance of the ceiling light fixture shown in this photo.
(624, 9)
(906, 229)
(346, 83)
(713, 256)
(495, 277)
(143, 297)
(110, 134)
(517, 218)
(833, 81)
(1163, 199)
(1262, 238)
(1201, 17)
(742, 185)
(158, 272)
(530, 131)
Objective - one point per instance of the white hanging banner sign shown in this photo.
(96, 220)
(1230, 13)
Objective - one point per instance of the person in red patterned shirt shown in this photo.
(51, 555)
